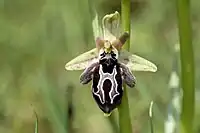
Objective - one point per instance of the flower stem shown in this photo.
(125, 18)
(124, 116)
(187, 66)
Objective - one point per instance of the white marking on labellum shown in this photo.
(103, 77)
(114, 87)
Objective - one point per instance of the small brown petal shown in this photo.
(118, 43)
(99, 43)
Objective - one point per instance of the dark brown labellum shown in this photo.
(107, 86)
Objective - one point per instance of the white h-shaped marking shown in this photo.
(103, 77)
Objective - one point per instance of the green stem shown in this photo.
(125, 18)
(187, 66)
(113, 123)
(124, 116)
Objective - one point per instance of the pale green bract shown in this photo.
(110, 32)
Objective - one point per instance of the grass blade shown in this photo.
(70, 108)
(173, 110)
(151, 116)
(36, 123)
(187, 66)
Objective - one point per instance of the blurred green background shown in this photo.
(37, 38)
